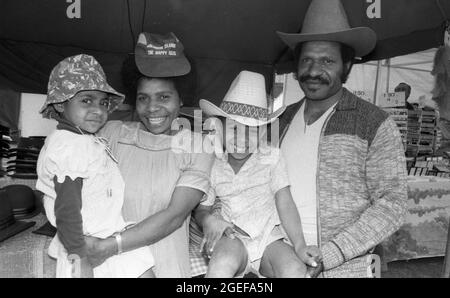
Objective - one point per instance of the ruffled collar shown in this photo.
(64, 124)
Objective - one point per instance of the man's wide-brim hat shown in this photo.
(74, 74)
(161, 55)
(9, 226)
(25, 202)
(245, 102)
(326, 20)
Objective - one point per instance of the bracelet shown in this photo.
(119, 243)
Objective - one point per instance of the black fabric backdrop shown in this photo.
(9, 108)
(221, 37)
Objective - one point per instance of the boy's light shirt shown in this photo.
(255, 185)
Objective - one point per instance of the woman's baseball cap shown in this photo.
(160, 56)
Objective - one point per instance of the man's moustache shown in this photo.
(321, 80)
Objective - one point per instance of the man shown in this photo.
(403, 87)
(344, 155)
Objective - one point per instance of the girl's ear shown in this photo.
(59, 107)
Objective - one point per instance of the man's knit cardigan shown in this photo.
(361, 182)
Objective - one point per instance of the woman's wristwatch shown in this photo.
(119, 243)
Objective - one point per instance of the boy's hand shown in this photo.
(310, 255)
(213, 229)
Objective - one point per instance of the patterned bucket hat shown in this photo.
(75, 74)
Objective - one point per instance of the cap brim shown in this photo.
(161, 67)
(46, 229)
(26, 150)
(362, 39)
(23, 176)
(37, 208)
(15, 229)
(34, 213)
(117, 98)
(211, 109)
(22, 161)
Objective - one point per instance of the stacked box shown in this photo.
(421, 133)
(400, 116)
(5, 140)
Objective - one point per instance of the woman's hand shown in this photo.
(86, 269)
(213, 229)
(100, 249)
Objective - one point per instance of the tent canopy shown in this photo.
(221, 37)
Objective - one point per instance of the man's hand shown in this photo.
(100, 249)
(213, 229)
(310, 255)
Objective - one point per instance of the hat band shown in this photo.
(8, 221)
(23, 211)
(244, 110)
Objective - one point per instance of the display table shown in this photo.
(424, 233)
(25, 254)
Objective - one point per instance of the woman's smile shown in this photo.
(157, 104)
(156, 120)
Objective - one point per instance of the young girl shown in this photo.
(79, 176)
(250, 184)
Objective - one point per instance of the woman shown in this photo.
(162, 185)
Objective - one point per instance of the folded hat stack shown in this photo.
(421, 132)
(5, 140)
(22, 160)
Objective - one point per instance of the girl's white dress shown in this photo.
(85, 156)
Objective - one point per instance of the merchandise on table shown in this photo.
(22, 159)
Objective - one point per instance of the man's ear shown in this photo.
(59, 107)
(347, 68)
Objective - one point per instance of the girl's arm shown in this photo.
(69, 221)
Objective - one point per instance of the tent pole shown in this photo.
(377, 78)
